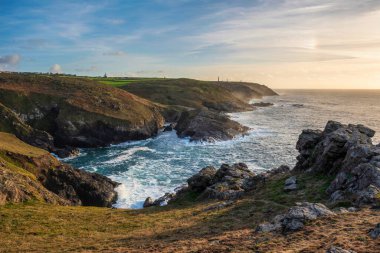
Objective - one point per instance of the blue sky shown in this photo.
(283, 43)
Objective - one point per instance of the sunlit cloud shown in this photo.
(284, 43)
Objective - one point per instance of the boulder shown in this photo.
(208, 125)
(148, 202)
(334, 249)
(375, 232)
(296, 217)
(290, 184)
(169, 127)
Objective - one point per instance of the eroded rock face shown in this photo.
(347, 152)
(80, 187)
(45, 178)
(296, 217)
(208, 125)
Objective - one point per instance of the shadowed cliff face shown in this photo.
(79, 112)
(29, 173)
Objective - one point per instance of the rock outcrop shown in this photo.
(28, 173)
(208, 125)
(346, 152)
(228, 183)
(295, 218)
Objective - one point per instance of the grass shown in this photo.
(9, 143)
(185, 225)
(182, 227)
(120, 82)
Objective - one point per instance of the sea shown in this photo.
(158, 165)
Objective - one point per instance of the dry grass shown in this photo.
(184, 226)
(10, 143)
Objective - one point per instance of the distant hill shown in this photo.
(221, 96)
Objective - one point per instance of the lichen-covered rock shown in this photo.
(346, 152)
(296, 217)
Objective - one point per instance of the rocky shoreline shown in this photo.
(343, 154)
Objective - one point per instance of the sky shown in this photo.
(308, 44)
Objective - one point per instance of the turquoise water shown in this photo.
(158, 165)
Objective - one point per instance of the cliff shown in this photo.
(28, 173)
(78, 112)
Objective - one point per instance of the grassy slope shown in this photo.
(9, 143)
(183, 226)
(18, 169)
(81, 93)
(186, 92)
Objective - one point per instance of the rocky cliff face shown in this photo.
(347, 152)
(78, 112)
(208, 125)
(29, 173)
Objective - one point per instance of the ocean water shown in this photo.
(158, 165)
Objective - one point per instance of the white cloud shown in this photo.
(12, 59)
(115, 53)
(9, 62)
(56, 69)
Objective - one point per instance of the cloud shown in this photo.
(114, 21)
(9, 62)
(12, 59)
(115, 53)
(56, 69)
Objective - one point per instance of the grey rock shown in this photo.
(334, 249)
(352, 209)
(296, 217)
(346, 152)
(291, 184)
(200, 181)
(148, 202)
(375, 233)
(230, 182)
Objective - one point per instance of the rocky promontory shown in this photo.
(208, 125)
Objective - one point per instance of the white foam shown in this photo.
(127, 154)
